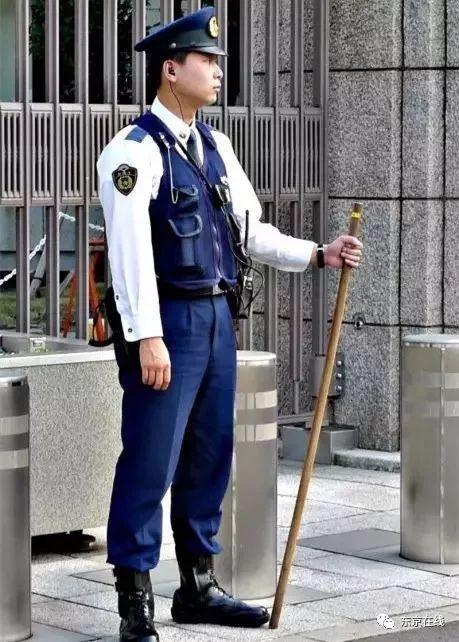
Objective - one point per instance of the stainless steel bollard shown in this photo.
(247, 566)
(15, 555)
(429, 516)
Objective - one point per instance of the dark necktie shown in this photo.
(192, 147)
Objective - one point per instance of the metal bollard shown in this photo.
(248, 534)
(429, 515)
(15, 554)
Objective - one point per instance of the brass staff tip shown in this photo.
(357, 210)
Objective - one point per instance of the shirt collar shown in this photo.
(176, 125)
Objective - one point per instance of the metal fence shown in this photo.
(49, 150)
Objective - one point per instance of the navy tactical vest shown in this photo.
(192, 245)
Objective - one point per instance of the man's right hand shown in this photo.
(155, 363)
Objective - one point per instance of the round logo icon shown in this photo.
(385, 621)
(213, 27)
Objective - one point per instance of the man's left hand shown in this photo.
(345, 249)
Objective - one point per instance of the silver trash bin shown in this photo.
(248, 534)
(15, 555)
(429, 516)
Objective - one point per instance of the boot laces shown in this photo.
(141, 604)
(215, 584)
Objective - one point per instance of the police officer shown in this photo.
(172, 258)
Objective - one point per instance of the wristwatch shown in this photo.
(320, 256)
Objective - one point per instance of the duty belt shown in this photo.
(173, 292)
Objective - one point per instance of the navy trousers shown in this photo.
(181, 437)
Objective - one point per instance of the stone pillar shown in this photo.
(394, 145)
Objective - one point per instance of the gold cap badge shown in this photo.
(213, 27)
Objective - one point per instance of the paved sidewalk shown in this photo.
(346, 573)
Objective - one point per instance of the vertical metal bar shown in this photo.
(320, 208)
(272, 77)
(139, 27)
(82, 211)
(52, 212)
(246, 75)
(194, 5)
(222, 18)
(110, 81)
(167, 11)
(111, 53)
(23, 212)
(297, 211)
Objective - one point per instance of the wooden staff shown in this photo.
(354, 227)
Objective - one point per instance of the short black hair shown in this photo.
(155, 68)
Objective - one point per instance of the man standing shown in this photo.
(168, 186)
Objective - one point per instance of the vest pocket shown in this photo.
(187, 226)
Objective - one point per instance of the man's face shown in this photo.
(198, 79)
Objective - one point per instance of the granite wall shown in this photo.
(394, 144)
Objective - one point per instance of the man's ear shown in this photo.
(169, 70)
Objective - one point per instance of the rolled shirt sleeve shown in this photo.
(128, 231)
(265, 242)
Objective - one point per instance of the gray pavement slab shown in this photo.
(351, 494)
(76, 618)
(447, 633)
(447, 586)
(391, 555)
(166, 571)
(374, 477)
(385, 520)
(314, 511)
(367, 605)
(44, 633)
(352, 542)
(370, 569)
(400, 624)
(336, 583)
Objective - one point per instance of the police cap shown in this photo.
(197, 31)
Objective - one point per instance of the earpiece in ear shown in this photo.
(171, 70)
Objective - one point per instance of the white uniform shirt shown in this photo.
(128, 227)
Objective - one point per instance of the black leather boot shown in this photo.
(135, 605)
(201, 600)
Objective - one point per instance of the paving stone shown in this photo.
(44, 633)
(166, 571)
(59, 586)
(359, 630)
(352, 542)
(74, 617)
(36, 598)
(385, 520)
(352, 494)
(390, 574)
(302, 554)
(367, 605)
(447, 586)
(314, 511)
(335, 583)
(321, 471)
(294, 620)
(391, 555)
(108, 601)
